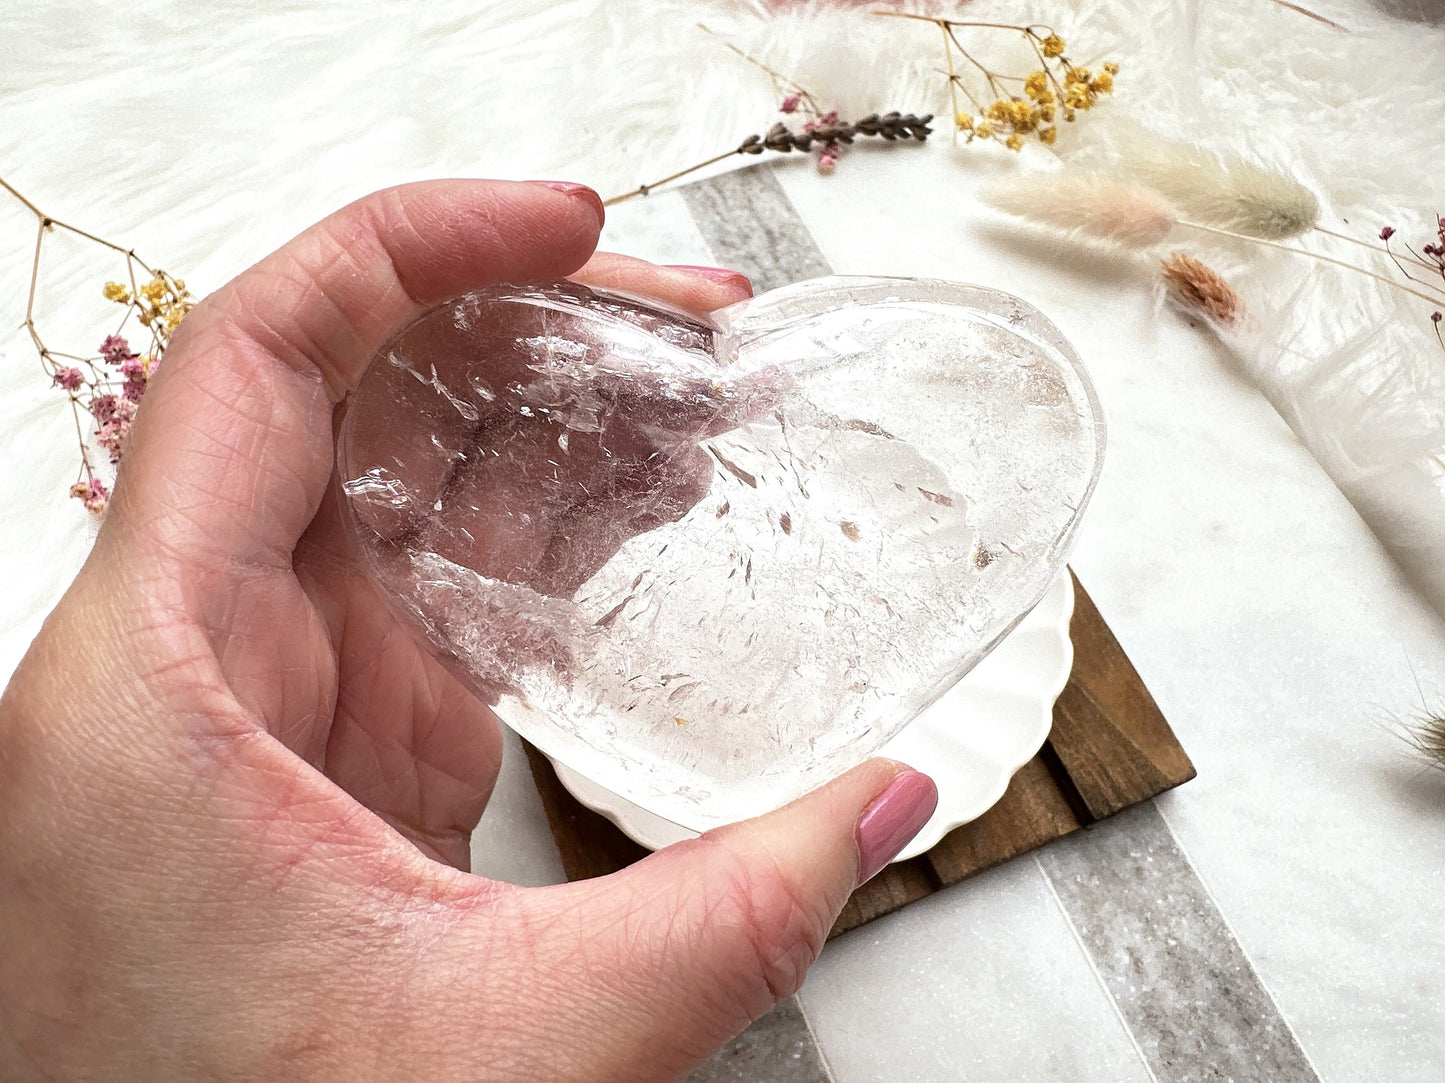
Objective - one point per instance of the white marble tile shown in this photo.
(1272, 629)
(982, 982)
(657, 228)
(513, 842)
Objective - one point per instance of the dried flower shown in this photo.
(93, 493)
(790, 103)
(71, 379)
(1199, 290)
(1386, 232)
(109, 384)
(115, 350)
(1220, 190)
(1008, 116)
(1099, 206)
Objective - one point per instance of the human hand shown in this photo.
(235, 794)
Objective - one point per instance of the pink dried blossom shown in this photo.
(115, 349)
(102, 407)
(828, 158)
(1386, 232)
(132, 369)
(93, 493)
(70, 379)
(790, 103)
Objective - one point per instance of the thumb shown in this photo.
(705, 936)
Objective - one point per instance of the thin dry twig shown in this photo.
(1316, 16)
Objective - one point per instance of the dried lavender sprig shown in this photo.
(891, 127)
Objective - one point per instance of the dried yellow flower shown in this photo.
(1048, 135)
(1053, 46)
(984, 129)
(154, 290)
(1036, 86)
(962, 121)
(1102, 83)
(1046, 112)
(1112, 68)
(1077, 97)
(114, 291)
(1014, 142)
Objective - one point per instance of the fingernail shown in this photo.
(572, 189)
(891, 819)
(716, 274)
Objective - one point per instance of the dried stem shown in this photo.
(891, 127)
(1310, 14)
(644, 189)
(1314, 255)
(778, 78)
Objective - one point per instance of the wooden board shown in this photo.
(1110, 748)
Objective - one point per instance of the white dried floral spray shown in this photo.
(1102, 207)
(1211, 188)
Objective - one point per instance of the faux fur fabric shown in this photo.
(207, 134)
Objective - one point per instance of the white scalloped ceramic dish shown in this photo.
(971, 741)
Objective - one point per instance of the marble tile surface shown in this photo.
(1191, 1000)
(778, 1048)
(982, 982)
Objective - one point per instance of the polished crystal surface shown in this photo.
(712, 563)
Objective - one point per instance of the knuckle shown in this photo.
(779, 925)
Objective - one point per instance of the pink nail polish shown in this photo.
(571, 188)
(891, 819)
(715, 274)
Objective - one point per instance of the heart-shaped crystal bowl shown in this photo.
(712, 563)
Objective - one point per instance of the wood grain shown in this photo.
(1110, 748)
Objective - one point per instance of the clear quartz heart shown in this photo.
(711, 564)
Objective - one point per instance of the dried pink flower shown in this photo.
(1386, 232)
(102, 408)
(93, 493)
(97, 497)
(790, 103)
(70, 379)
(115, 349)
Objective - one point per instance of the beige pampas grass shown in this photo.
(1102, 207)
(1212, 189)
(1198, 290)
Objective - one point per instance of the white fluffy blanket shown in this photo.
(206, 134)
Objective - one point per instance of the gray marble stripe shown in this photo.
(751, 226)
(1182, 984)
